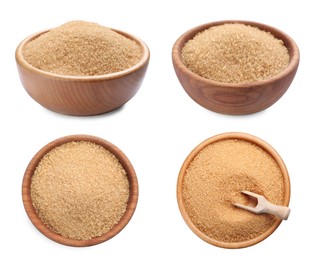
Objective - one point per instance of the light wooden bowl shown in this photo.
(82, 95)
(132, 201)
(241, 136)
(231, 98)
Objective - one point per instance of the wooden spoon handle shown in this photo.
(279, 211)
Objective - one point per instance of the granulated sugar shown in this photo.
(82, 48)
(80, 190)
(235, 53)
(214, 180)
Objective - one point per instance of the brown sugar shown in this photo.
(80, 190)
(235, 53)
(80, 48)
(214, 180)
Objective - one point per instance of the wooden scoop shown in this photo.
(258, 205)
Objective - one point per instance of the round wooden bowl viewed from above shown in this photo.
(45, 230)
(235, 98)
(253, 140)
(82, 95)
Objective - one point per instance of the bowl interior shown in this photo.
(131, 204)
(241, 136)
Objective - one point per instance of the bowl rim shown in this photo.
(188, 35)
(132, 200)
(140, 64)
(223, 136)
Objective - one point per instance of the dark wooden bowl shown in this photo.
(239, 98)
(81, 95)
(241, 136)
(132, 201)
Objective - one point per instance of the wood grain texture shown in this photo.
(249, 138)
(132, 201)
(240, 98)
(81, 95)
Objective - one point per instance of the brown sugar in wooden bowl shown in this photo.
(233, 98)
(82, 95)
(211, 180)
(80, 190)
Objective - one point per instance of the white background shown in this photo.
(156, 129)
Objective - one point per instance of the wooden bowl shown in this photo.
(132, 201)
(241, 136)
(81, 95)
(235, 98)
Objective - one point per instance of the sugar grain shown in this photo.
(80, 48)
(80, 190)
(235, 53)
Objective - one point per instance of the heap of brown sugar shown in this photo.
(80, 48)
(235, 53)
(214, 180)
(80, 190)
